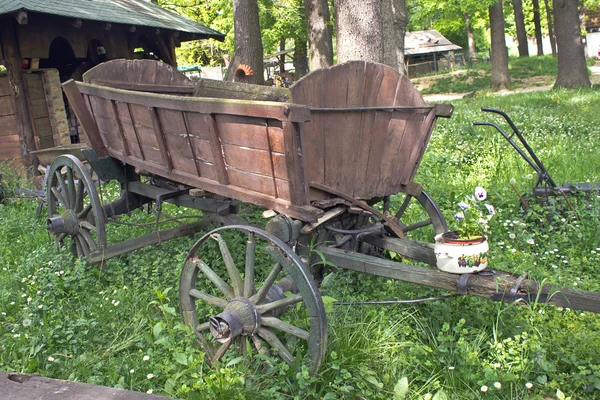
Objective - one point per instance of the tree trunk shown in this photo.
(470, 37)
(500, 76)
(248, 48)
(395, 20)
(300, 58)
(319, 28)
(359, 30)
(538, 27)
(520, 25)
(572, 70)
(550, 28)
(282, 57)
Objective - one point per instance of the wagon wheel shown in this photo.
(240, 303)
(419, 216)
(74, 208)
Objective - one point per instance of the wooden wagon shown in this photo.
(334, 158)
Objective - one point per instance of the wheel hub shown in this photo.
(240, 317)
(65, 223)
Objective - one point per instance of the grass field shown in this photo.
(119, 325)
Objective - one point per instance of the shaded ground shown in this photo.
(534, 84)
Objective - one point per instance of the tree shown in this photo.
(248, 48)
(320, 51)
(395, 20)
(359, 30)
(500, 75)
(470, 37)
(538, 27)
(551, 34)
(520, 25)
(572, 70)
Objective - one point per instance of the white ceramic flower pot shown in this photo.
(461, 256)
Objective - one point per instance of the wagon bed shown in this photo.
(357, 129)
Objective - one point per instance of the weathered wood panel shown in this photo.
(9, 125)
(4, 86)
(6, 106)
(366, 149)
(10, 152)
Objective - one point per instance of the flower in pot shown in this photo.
(465, 249)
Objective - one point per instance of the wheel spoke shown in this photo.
(84, 212)
(222, 350)
(285, 302)
(207, 298)
(61, 199)
(215, 279)
(234, 274)
(404, 206)
(203, 327)
(249, 270)
(260, 345)
(63, 187)
(89, 239)
(417, 225)
(274, 341)
(85, 248)
(285, 327)
(71, 188)
(78, 196)
(88, 226)
(78, 247)
(262, 292)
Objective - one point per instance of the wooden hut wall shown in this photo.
(10, 143)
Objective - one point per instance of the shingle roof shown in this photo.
(423, 42)
(130, 12)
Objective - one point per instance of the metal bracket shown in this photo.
(461, 285)
(513, 294)
(168, 195)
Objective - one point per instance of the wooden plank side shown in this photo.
(373, 81)
(43, 127)
(10, 141)
(257, 182)
(7, 106)
(9, 125)
(197, 125)
(392, 160)
(79, 107)
(177, 142)
(216, 148)
(334, 124)
(142, 117)
(416, 151)
(352, 141)
(5, 86)
(202, 149)
(157, 124)
(128, 130)
(259, 109)
(379, 132)
(243, 131)
(10, 152)
(310, 91)
(119, 129)
(248, 159)
(276, 136)
(295, 163)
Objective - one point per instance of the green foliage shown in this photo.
(64, 319)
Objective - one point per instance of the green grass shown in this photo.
(478, 76)
(116, 325)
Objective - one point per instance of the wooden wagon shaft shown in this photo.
(497, 286)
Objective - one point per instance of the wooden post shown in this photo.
(12, 58)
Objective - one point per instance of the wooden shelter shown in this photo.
(429, 51)
(44, 43)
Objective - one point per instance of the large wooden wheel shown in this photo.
(74, 208)
(263, 300)
(419, 216)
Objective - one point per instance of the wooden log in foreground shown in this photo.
(495, 285)
(24, 386)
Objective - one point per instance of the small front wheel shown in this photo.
(241, 287)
